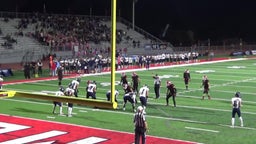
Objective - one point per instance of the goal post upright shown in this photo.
(113, 53)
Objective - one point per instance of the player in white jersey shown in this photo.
(69, 92)
(108, 95)
(236, 102)
(55, 103)
(1, 82)
(143, 93)
(74, 85)
(91, 90)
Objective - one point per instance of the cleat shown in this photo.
(61, 114)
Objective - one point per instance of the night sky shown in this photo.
(203, 19)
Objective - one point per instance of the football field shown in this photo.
(193, 120)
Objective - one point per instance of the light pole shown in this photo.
(133, 13)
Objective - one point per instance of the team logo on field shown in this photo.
(16, 130)
(205, 71)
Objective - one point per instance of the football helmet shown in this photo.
(78, 79)
(238, 94)
(62, 89)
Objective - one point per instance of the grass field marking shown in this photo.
(194, 107)
(248, 128)
(50, 117)
(219, 85)
(200, 108)
(179, 93)
(200, 129)
(217, 99)
(109, 111)
(83, 111)
(125, 113)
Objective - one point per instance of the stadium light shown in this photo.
(133, 13)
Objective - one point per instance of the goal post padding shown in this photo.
(49, 97)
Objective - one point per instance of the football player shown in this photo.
(91, 90)
(206, 86)
(108, 95)
(123, 79)
(236, 103)
(74, 85)
(129, 96)
(186, 77)
(55, 103)
(60, 74)
(69, 92)
(135, 82)
(143, 93)
(170, 92)
(1, 82)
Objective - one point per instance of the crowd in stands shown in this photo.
(8, 41)
(67, 32)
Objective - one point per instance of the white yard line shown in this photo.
(200, 129)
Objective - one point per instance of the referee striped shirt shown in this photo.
(139, 120)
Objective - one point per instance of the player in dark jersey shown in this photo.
(170, 92)
(60, 74)
(128, 96)
(123, 79)
(206, 86)
(186, 77)
(135, 82)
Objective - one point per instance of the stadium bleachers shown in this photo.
(27, 34)
(21, 47)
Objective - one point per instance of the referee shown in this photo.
(157, 84)
(141, 126)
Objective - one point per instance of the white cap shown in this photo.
(140, 108)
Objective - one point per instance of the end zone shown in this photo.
(26, 130)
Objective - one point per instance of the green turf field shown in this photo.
(203, 121)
